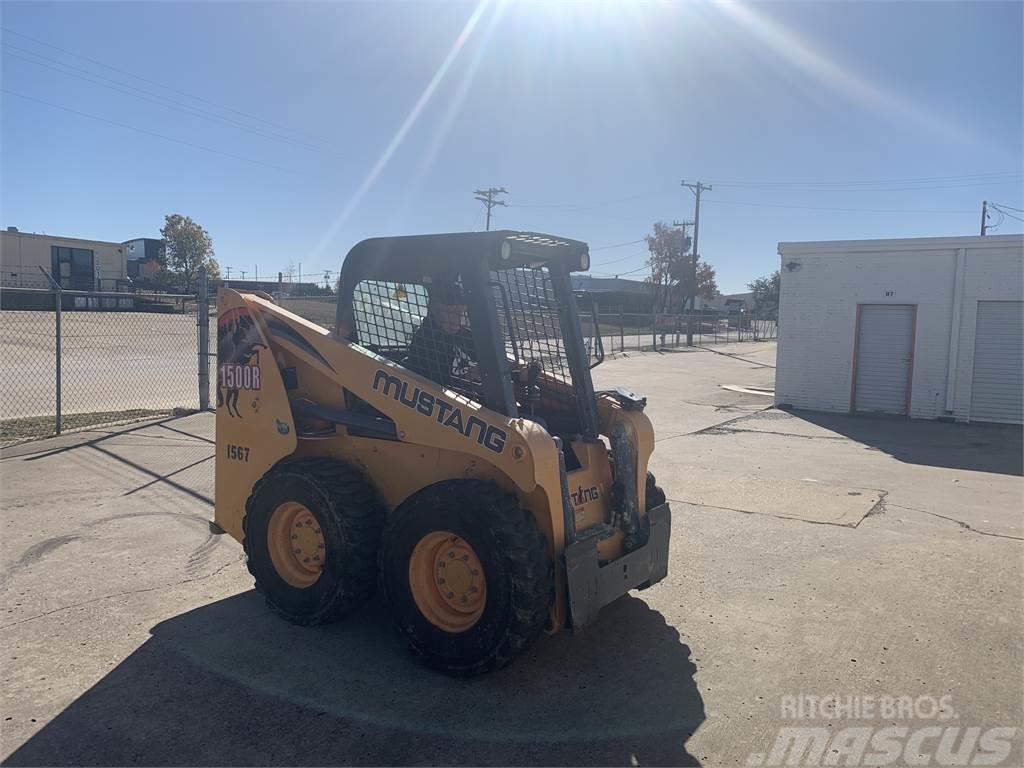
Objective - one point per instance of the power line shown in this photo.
(587, 206)
(147, 132)
(146, 80)
(619, 274)
(616, 261)
(149, 96)
(718, 201)
(830, 186)
(1001, 205)
(1000, 209)
(618, 245)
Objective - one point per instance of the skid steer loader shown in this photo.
(445, 442)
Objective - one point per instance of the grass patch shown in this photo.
(37, 427)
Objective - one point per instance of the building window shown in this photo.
(73, 267)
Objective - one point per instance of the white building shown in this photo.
(926, 327)
(81, 265)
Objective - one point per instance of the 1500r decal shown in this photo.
(489, 436)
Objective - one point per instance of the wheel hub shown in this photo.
(447, 581)
(296, 543)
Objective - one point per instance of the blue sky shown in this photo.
(292, 131)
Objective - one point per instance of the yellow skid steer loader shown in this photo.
(445, 442)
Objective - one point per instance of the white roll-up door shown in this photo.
(997, 391)
(885, 348)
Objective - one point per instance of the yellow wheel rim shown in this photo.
(447, 581)
(296, 543)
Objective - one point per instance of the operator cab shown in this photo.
(488, 315)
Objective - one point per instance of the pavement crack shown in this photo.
(961, 523)
(128, 592)
(736, 357)
(723, 430)
(766, 514)
(718, 425)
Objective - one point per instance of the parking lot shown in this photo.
(812, 556)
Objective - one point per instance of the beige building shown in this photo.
(83, 265)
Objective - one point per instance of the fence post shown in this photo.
(622, 331)
(58, 298)
(203, 321)
(654, 331)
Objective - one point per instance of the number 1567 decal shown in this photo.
(237, 452)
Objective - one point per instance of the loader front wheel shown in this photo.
(312, 530)
(467, 576)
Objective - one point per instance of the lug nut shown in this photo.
(298, 551)
(451, 555)
(465, 558)
(451, 595)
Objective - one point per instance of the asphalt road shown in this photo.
(811, 556)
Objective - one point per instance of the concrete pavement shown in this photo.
(131, 636)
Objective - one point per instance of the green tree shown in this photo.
(671, 263)
(187, 246)
(766, 293)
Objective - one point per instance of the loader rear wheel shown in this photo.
(312, 531)
(467, 575)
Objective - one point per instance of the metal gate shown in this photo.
(997, 391)
(883, 358)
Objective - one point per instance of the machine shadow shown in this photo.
(996, 448)
(231, 684)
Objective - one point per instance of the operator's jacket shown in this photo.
(437, 355)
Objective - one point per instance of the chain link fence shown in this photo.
(75, 359)
(620, 331)
(625, 332)
(78, 359)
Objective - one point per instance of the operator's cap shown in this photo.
(446, 293)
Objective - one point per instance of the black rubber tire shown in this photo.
(520, 581)
(655, 496)
(351, 520)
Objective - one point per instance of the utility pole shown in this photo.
(258, 275)
(696, 188)
(243, 274)
(984, 216)
(229, 272)
(682, 254)
(487, 197)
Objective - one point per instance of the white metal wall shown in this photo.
(822, 284)
(998, 376)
